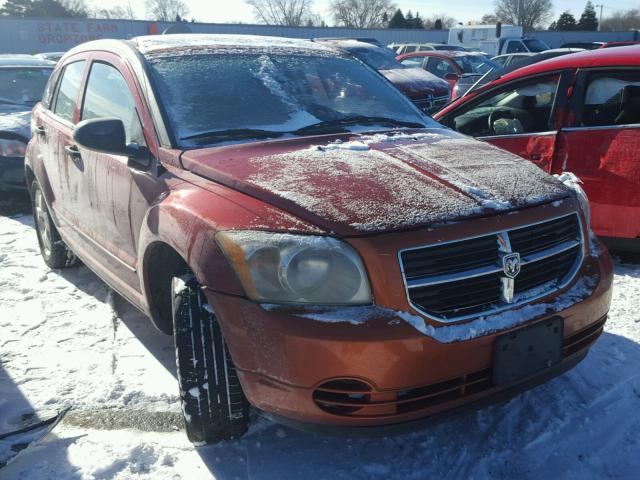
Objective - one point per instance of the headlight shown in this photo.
(12, 148)
(573, 182)
(283, 268)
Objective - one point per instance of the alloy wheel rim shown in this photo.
(42, 217)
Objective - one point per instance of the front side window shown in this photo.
(214, 96)
(535, 45)
(108, 95)
(22, 86)
(525, 108)
(516, 46)
(67, 96)
(611, 99)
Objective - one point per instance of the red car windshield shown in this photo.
(270, 94)
(475, 64)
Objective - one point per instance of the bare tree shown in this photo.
(361, 13)
(447, 21)
(118, 12)
(290, 13)
(488, 19)
(529, 14)
(622, 21)
(166, 10)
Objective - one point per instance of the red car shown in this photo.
(428, 92)
(318, 247)
(450, 65)
(577, 113)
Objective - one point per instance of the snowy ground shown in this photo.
(67, 341)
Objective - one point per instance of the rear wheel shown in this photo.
(54, 251)
(213, 403)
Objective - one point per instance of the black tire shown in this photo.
(54, 251)
(213, 403)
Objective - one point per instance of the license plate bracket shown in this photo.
(527, 351)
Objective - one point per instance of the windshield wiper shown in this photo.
(232, 133)
(355, 120)
(8, 101)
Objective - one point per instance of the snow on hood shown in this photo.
(18, 121)
(380, 183)
(414, 82)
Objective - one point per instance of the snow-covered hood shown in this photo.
(416, 82)
(16, 120)
(360, 184)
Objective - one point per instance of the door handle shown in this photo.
(535, 156)
(40, 130)
(72, 151)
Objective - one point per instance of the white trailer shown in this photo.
(494, 39)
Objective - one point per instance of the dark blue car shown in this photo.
(22, 81)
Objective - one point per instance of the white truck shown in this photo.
(494, 39)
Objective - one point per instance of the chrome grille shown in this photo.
(431, 104)
(466, 278)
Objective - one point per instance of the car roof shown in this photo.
(443, 53)
(18, 60)
(621, 56)
(149, 44)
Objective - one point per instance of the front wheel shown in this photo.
(55, 252)
(213, 403)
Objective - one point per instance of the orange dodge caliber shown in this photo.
(318, 247)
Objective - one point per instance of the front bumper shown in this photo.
(283, 356)
(12, 176)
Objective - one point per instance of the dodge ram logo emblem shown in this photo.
(511, 265)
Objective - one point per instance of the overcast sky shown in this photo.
(229, 11)
(225, 11)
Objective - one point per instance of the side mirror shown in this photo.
(107, 135)
(451, 77)
(104, 135)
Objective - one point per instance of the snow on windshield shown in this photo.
(266, 90)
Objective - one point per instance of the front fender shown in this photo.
(187, 220)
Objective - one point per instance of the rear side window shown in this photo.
(108, 95)
(67, 96)
(412, 62)
(611, 99)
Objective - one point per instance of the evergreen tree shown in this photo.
(38, 8)
(16, 8)
(588, 19)
(398, 20)
(437, 25)
(566, 22)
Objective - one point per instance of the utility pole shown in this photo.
(600, 20)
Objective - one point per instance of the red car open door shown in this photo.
(521, 116)
(602, 147)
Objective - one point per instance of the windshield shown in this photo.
(475, 64)
(248, 96)
(454, 48)
(23, 85)
(378, 58)
(535, 45)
